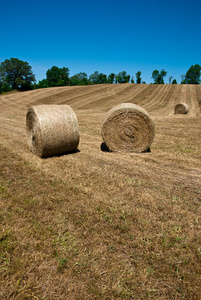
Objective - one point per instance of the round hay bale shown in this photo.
(181, 108)
(127, 128)
(52, 130)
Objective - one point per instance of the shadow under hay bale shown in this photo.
(104, 148)
(181, 108)
(65, 153)
(52, 130)
(148, 150)
(127, 128)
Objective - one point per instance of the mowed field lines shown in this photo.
(100, 225)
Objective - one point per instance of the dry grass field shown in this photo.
(99, 225)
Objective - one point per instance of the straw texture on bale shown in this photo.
(127, 128)
(181, 108)
(52, 130)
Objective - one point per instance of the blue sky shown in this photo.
(106, 36)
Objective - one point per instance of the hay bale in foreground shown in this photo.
(128, 128)
(52, 130)
(181, 108)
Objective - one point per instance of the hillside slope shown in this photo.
(90, 104)
(156, 99)
(95, 224)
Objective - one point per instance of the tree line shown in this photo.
(16, 74)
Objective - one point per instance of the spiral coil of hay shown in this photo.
(127, 128)
(181, 108)
(52, 130)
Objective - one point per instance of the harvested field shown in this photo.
(101, 225)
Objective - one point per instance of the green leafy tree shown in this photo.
(158, 76)
(193, 75)
(1, 85)
(174, 81)
(122, 77)
(155, 75)
(183, 80)
(57, 76)
(132, 80)
(102, 78)
(4, 87)
(170, 79)
(98, 78)
(17, 74)
(138, 78)
(42, 84)
(111, 78)
(79, 79)
(93, 78)
(1, 90)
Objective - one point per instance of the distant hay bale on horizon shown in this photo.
(127, 128)
(181, 108)
(52, 130)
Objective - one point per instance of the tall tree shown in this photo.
(93, 78)
(57, 76)
(170, 79)
(98, 78)
(193, 75)
(122, 77)
(155, 75)
(183, 80)
(158, 76)
(17, 74)
(132, 80)
(102, 78)
(111, 78)
(138, 78)
(42, 84)
(4, 87)
(79, 79)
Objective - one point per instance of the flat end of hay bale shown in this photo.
(181, 108)
(127, 128)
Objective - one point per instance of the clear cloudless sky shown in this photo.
(108, 36)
